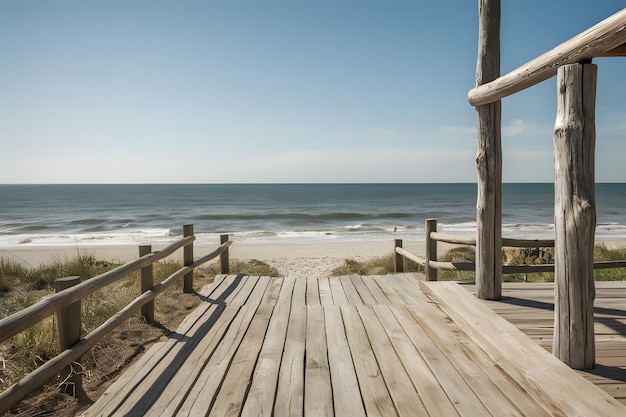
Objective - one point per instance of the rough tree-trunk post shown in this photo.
(489, 159)
(574, 215)
(188, 260)
(69, 325)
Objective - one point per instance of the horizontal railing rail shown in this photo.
(607, 38)
(55, 303)
(431, 265)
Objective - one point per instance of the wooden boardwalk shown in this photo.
(349, 346)
(530, 307)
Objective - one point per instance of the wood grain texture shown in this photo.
(574, 215)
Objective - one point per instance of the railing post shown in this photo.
(224, 260)
(431, 249)
(188, 259)
(69, 327)
(147, 282)
(398, 260)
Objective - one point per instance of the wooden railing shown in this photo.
(66, 303)
(431, 264)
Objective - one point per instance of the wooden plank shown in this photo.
(401, 389)
(439, 359)
(326, 295)
(376, 399)
(290, 391)
(362, 289)
(375, 290)
(284, 298)
(260, 399)
(312, 291)
(346, 393)
(394, 296)
(534, 369)
(339, 296)
(233, 391)
(350, 290)
(318, 396)
(299, 292)
(467, 357)
(431, 393)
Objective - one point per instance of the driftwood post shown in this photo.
(69, 327)
(431, 250)
(224, 259)
(574, 215)
(489, 159)
(188, 260)
(147, 282)
(398, 260)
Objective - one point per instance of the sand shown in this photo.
(293, 259)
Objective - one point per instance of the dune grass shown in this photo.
(384, 265)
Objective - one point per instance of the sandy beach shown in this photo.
(291, 259)
(294, 259)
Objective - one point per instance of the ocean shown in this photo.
(152, 214)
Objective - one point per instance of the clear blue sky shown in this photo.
(279, 91)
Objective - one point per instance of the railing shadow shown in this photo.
(189, 344)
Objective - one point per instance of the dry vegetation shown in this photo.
(384, 265)
(21, 287)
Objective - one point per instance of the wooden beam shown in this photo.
(574, 215)
(605, 36)
(619, 51)
(489, 159)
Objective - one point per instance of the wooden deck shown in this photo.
(530, 307)
(349, 346)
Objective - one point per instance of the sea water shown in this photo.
(155, 213)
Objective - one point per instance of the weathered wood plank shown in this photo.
(339, 296)
(401, 390)
(374, 392)
(431, 393)
(233, 391)
(260, 399)
(290, 391)
(312, 291)
(350, 290)
(534, 369)
(326, 295)
(318, 395)
(362, 289)
(346, 393)
(299, 292)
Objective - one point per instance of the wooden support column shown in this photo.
(574, 215)
(188, 260)
(69, 325)
(224, 258)
(147, 283)
(489, 159)
(398, 260)
(431, 250)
